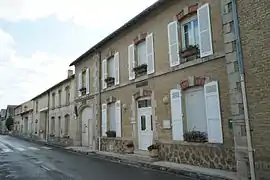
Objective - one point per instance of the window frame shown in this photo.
(59, 97)
(182, 30)
(137, 53)
(111, 119)
(109, 61)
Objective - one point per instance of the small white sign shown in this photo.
(166, 124)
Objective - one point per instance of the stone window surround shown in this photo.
(195, 62)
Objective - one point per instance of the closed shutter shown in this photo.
(118, 119)
(176, 115)
(104, 73)
(104, 119)
(117, 69)
(79, 80)
(205, 32)
(213, 115)
(173, 41)
(92, 79)
(87, 80)
(96, 76)
(150, 54)
(131, 61)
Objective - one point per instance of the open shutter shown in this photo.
(104, 73)
(87, 80)
(176, 115)
(212, 107)
(117, 71)
(118, 119)
(96, 77)
(79, 80)
(205, 32)
(173, 41)
(150, 54)
(131, 61)
(104, 119)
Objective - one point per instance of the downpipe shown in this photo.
(243, 89)
(100, 103)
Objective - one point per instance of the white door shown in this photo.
(86, 129)
(145, 127)
(195, 107)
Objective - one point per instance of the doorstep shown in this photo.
(143, 160)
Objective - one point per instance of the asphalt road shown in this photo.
(21, 160)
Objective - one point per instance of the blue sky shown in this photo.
(39, 39)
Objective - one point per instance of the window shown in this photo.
(189, 34)
(59, 97)
(36, 106)
(141, 54)
(111, 68)
(144, 103)
(53, 100)
(143, 123)
(67, 95)
(67, 119)
(111, 112)
(83, 79)
(59, 126)
(52, 125)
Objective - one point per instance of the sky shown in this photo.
(40, 38)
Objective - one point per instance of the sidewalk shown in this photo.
(147, 162)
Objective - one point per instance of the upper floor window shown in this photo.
(83, 81)
(110, 71)
(53, 100)
(59, 97)
(67, 95)
(195, 33)
(36, 106)
(141, 58)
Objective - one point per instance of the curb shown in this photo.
(182, 172)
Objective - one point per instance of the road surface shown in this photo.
(21, 160)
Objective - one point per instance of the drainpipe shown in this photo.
(100, 103)
(239, 55)
(47, 118)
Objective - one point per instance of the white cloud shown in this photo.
(22, 78)
(101, 13)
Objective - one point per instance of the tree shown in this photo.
(9, 123)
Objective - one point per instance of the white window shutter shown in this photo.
(150, 53)
(79, 84)
(177, 115)
(87, 80)
(104, 119)
(213, 115)
(205, 32)
(118, 119)
(117, 69)
(131, 61)
(104, 73)
(173, 40)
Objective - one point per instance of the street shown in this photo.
(23, 160)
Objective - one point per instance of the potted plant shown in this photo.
(111, 133)
(190, 51)
(130, 147)
(83, 90)
(140, 69)
(109, 81)
(195, 136)
(153, 150)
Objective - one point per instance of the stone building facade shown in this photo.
(164, 77)
(254, 25)
(27, 123)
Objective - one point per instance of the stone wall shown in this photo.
(115, 145)
(60, 141)
(202, 155)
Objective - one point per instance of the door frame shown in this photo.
(89, 144)
(139, 111)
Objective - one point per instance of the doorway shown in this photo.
(145, 124)
(87, 127)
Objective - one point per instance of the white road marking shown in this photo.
(33, 148)
(6, 150)
(19, 149)
(44, 147)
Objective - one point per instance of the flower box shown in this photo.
(190, 51)
(111, 134)
(140, 70)
(109, 81)
(195, 136)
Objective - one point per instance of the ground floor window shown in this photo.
(52, 125)
(111, 114)
(67, 121)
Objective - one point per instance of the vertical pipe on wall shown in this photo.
(99, 97)
(239, 55)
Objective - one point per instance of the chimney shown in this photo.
(70, 73)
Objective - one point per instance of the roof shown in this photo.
(127, 25)
(58, 84)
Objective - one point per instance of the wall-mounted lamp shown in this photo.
(165, 100)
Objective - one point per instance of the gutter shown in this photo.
(240, 61)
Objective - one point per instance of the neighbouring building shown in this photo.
(62, 126)
(167, 76)
(2, 119)
(18, 127)
(254, 27)
(8, 113)
(27, 124)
